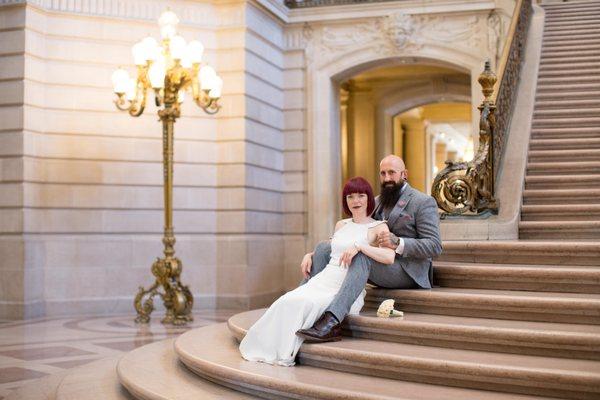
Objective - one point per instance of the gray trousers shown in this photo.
(362, 269)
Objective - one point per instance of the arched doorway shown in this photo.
(395, 110)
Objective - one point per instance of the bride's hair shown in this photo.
(358, 185)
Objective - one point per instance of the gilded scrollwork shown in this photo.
(468, 187)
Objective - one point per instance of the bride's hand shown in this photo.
(306, 265)
(348, 255)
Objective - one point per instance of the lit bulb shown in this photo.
(156, 73)
(151, 48)
(139, 53)
(130, 91)
(207, 77)
(195, 50)
(215, 92)
(119, 79)
(186, 62)
(168, 24)
(177, 46)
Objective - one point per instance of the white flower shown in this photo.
(386, 310)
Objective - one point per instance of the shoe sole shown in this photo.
(310, 339)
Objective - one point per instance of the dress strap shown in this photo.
(375, 223)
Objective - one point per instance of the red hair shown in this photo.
(358, 185)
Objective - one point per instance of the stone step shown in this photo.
(559, 144)
(212, 353)
(569, 41)
(571, 29)
(557, 212)
(580, 87)
(522, 252)
(582, 17)
(572, 46)
(547, 53)
(537, 278)
(576, 308)
(563, 168)
(571, 6)
(588, 31)
(561, 80)
(574, 112)
(562, 181)
(566, 122)
(558, 104)
(556, 37)
(154, 372)
(561, 196)
(540, 230)
(564, 155)
(568, 65)
(503, 336)
(565, 133)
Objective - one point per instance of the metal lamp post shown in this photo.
(170, 69)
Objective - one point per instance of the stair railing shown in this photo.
(469, 187)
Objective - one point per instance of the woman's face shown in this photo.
(357, 203)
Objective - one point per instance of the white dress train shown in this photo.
(272, 339)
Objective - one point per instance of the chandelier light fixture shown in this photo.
(170, 68)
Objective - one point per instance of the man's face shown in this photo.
(391, 174)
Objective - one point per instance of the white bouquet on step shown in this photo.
(386, 310)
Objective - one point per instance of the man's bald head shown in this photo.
(394, 161)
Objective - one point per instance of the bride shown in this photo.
(272, 339)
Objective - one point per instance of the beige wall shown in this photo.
(82, 182)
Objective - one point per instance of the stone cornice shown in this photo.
(149, 10)
(382, 9)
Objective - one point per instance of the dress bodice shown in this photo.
(347, 235)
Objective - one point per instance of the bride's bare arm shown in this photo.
(384, 255)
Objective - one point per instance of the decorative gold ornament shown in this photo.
(469, 186)
(170, 69)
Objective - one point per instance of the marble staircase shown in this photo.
(561, 199)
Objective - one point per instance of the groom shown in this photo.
(414, 234)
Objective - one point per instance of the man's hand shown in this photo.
(347, 256)
(387, 239)
(306, 265)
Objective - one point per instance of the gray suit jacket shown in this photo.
(415, 219)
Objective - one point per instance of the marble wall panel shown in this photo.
(11, 92)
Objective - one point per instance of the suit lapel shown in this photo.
(400, 205)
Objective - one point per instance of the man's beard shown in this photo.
(390, 194)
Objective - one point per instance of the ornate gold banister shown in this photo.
(469, 187)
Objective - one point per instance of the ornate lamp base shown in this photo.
(177, 298)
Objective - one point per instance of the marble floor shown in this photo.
(36, 348)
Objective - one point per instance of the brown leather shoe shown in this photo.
(326, 329)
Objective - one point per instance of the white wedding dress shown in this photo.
(272, 339)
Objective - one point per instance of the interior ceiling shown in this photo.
(405, 72)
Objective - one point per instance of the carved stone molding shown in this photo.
(392, 35)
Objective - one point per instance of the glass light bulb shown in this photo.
(186, 62)
(139, 53)
(195, 50)
(177, 46)
(168, 24)
(119, 79)
(130, 91)
(156, 73)
(215, 92)
(207, 77)
(151, 48)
